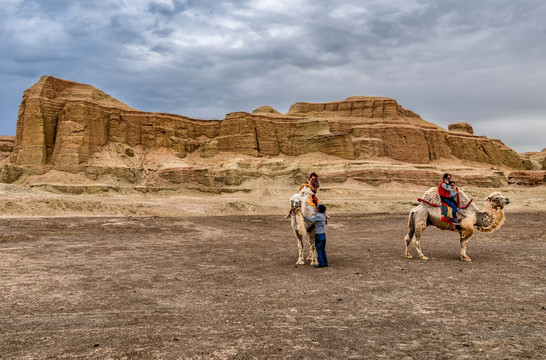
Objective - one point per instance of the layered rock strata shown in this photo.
(379, 127)
(461, 127)
(528, 178)
(538, 158)
(68, 126)
(6, 146)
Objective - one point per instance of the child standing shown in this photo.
(320, 235)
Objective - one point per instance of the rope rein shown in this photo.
(467, 205)
(426, 202)
(436, 205)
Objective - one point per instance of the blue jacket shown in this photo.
(320, 221)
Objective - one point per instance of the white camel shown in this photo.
(491, 218)
(301, 205)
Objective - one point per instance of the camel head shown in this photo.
(295, 202)
(305, 191)
(497, 201)
(493, 215)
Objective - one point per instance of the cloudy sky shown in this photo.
(478, 61)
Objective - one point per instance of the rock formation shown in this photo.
(266, 109)
(529, 178)
(538, 158)
(6, 146)
(77, 128)
(461, 127)
(379, 127)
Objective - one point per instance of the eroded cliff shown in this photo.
(76, 128)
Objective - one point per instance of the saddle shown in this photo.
(313, 199)
(447, 213)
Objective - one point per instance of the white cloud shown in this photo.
(447, 61)
(10, 6)
(280, 6)
(36, 31)
(283, 31)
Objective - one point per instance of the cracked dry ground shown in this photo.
(227, 287)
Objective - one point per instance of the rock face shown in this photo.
(529, 178)
(6, 146)
(379, 127)
(461, 127)
(8, 173)
(266, 109)
(61, 123)
(72, 127)
(539, 158)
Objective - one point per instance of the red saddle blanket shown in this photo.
(447, 213)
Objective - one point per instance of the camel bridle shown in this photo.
(499, 203)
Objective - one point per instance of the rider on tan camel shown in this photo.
(314, 185)
(449, 195)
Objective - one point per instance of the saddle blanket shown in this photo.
(447, 213)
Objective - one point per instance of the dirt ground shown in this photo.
(227, 288)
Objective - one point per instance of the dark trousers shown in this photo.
(320, 245)
(452, 203)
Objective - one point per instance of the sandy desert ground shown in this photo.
(182, 282)
(257, 197)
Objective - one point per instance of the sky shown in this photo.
(482, 62)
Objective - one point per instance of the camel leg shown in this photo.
(416, 241)
(464, 241)
(407, 240)
(300, 249)
(313, 256)
(409, 235)
(464, 257)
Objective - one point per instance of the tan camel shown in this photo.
(301, 205)
(491, 218)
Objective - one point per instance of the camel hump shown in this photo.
(432, 196)
(463, 198)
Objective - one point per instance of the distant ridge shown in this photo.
(72, 127)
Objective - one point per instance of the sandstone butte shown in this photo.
(75, 128)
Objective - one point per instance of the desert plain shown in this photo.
(133, 235)
(194, 275)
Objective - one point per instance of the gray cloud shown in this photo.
(480, 62)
